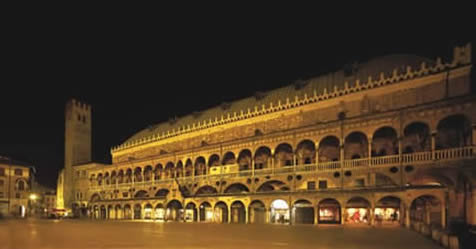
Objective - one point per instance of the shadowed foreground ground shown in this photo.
(51, 234)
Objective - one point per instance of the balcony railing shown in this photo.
(382, 161)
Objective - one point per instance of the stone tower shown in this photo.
(77, 147)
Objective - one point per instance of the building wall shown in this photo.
(14, 194)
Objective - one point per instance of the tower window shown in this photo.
(79, 117)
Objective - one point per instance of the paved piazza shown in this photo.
(51, 234)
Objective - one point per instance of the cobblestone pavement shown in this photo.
(53, 234)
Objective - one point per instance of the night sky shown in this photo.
(136, 74)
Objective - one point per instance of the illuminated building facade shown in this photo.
(15, 187)
(390, 141)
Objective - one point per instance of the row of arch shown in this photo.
(388, 209)
(453, 131)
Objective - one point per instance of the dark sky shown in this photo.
(138, 72)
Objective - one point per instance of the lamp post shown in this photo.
(31, 203)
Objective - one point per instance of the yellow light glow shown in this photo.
(33, 197)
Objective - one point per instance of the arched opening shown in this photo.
(200, 166)
(169, 170)
(303, 212)
(356, 143)
(93, 179)
(279, 212)
(179, 169)
(238, 212)
(206, 190)
(174, 209)
(190, 212)
(283, 155)
(306, 152)
(188, 168)
(148, 211)
(262, 156)
(138, 174)
(257, 212)
(21, 185)
(120, 177)
(229, 158)
(329, 149)
(416, 138)
(237, 188)
(329, 212)
(159, 213)
(137, 212)
(113, 177)
(387, 210)
(110, 212)
(141, 194)
(244, 159)
(385, 142)
(214, 160)
(106, 178)
(221, 212)
(128, 175)
(453, 132)
(103, 212)
(95, 198)
(162, 193)
(99, 179)
(119, 213)
(158, 172)
(357, 211)
(273, 185)
(148, 173)
(426, 210)
(127, 212)
(206, 212)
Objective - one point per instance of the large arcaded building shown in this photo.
(391, 140)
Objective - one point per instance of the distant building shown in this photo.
(15, 187)
(391, 140)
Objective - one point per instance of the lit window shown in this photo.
(21, 185)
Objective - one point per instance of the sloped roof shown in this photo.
(9, 161)
(372, 68)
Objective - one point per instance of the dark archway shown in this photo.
(238, 212)
(214, 160)
(190, 212)
(387, 210)
(329, 149)
(206, 190)
(137, 212)
(306, 152)
(237, 188)
(141, 194)
(303, 212)
(261, 159)
(200, 166)
(244, 159)
(427, 209)
(453, 132)
(273, 185)
(284, 155)
(385, 142)
(221, 212)
(162, 193)
(229, 158)
(257, 212)
(148, 173)
(416, 138)
(356, 146)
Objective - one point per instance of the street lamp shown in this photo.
(33, 197)
(31, 203)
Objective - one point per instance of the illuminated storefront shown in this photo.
(329, 211)
(279, 212)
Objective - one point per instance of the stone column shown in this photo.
(267, 215)
(443, 214)
(370, 149)
(342, 211)
(317, 153)
(229, 214)
(433, 144)
(427, 213)
(316, 215)
(407, 217)
(247, 220)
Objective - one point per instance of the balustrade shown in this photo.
(392, 160)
